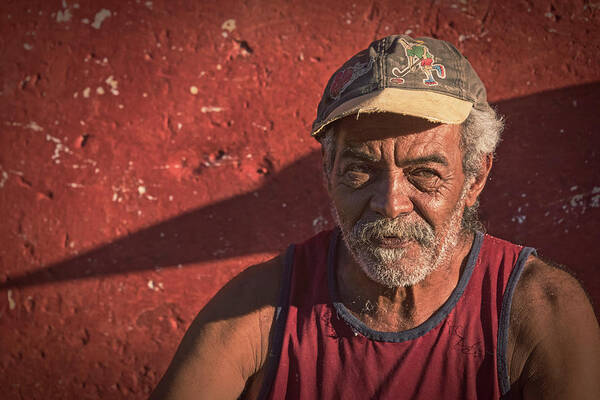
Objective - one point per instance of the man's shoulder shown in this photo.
(254, 289)
(258, 287)
(552, 323)
(228, 340)
(548, 288)
(547, 293)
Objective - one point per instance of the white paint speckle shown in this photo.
(11, 302)
(63, 16)
(34, 126)
(141, 190)
(156, 287)
(319, 223)
(573, 188)
(229, 25)
(193, 90)
(170, 198)
(595, 200)
(100, 90)
(519, 218)
(148, 4)
(100, 17)
(85, 21)
(257, 125)
(86, 92)
(76, 5)
(58, 148)
(579, 202)
(209, 109)
(3, 178)
(75, 185)
(27, 46)
(408, 31)
(114, 85)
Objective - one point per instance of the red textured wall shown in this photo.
(150, 150)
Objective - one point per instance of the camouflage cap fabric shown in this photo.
(421, 77)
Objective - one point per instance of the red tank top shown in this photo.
(322, 351)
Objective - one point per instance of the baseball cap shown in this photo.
(420, 77)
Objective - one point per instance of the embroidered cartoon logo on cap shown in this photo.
(346, 76)
(419, 58)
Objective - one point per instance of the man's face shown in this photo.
(397, 190)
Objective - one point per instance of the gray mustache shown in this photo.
(368, 231)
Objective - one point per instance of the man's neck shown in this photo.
(402, 308)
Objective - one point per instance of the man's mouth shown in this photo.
(391, 242)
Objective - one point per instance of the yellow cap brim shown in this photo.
(433, 106)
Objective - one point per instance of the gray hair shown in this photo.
(479, 137)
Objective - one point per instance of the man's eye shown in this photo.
(425, 179)
(358, 168)
(425, 173)
(357, 174)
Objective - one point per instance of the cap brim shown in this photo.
(433, 106)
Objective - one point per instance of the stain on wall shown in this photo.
(151, 150)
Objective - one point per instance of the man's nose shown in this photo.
(391, 198)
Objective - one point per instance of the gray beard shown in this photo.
(392, 267)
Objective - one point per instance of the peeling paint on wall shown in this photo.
(100, 17)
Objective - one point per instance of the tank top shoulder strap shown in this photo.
(295, 278)
(279, 320)
(504, 319)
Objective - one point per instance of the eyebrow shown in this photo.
(356, 153)
(432, 158)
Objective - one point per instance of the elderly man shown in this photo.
(407, 298)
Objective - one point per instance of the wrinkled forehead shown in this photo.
(373, 130)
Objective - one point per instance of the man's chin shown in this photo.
(396, 267)
(393, 276)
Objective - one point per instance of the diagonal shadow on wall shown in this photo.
(549, 147)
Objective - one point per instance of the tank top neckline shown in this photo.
(360, 327)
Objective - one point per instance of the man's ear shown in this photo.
(478, 181)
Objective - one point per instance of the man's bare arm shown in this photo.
(228, 341)
(554, 337)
